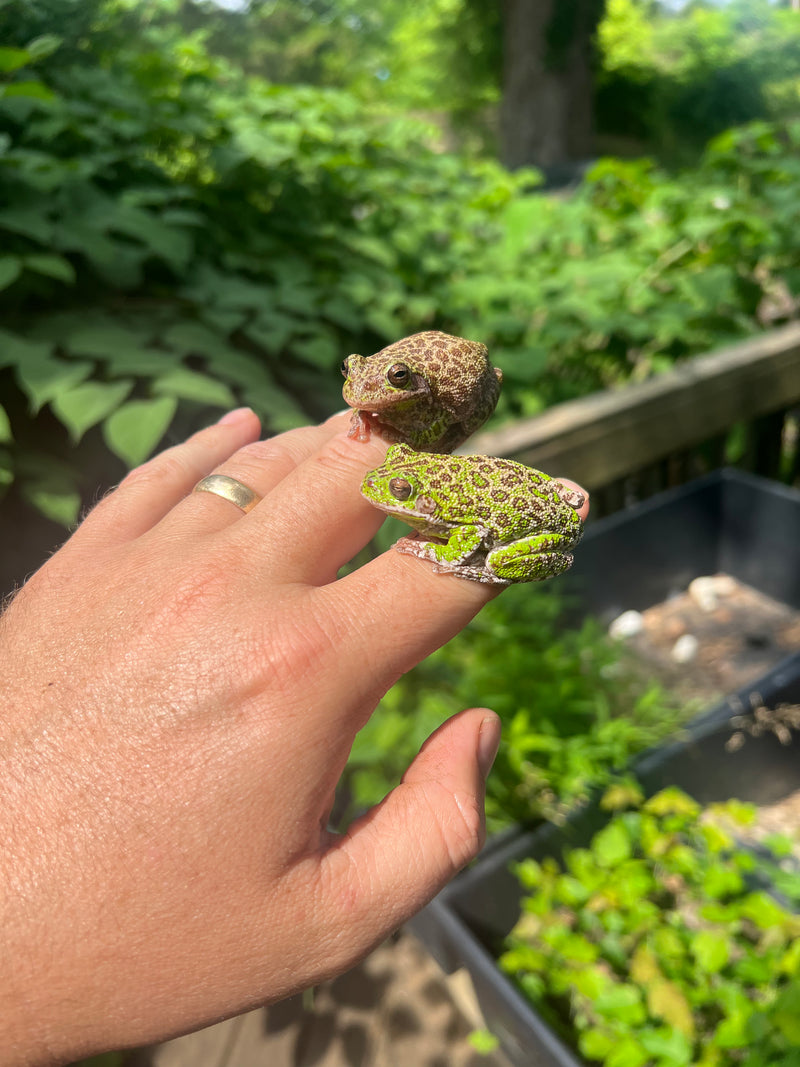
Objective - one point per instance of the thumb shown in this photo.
(395, 858)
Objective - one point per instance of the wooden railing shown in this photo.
(732, 407)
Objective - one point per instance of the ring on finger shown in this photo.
(230, 489)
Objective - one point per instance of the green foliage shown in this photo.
(637, 269)
(674, 80)
(176, 237)
(483, 1042)
(172, 233)
(652, 947)
(573, 709)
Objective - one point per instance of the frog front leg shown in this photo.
(450, 555)
(360, 426)
(531, 559)
(363, 424)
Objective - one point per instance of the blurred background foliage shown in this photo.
(202, 206)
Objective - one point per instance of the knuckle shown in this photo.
(343, 453)
(163, 469)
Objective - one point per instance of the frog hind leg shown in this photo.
(532, 559)
(451, 555)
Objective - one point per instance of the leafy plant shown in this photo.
(655, 947)
(177, 236)
(573, 706)
(175, 233)
(673, 81)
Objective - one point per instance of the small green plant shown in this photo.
(575, 708)
(483, 1041)
(656, 946)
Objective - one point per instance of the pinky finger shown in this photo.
(150, 491)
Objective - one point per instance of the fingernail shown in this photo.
(488, 743)
(238, 415)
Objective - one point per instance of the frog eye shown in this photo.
(398, 375)
(400, 488)
(344, 368)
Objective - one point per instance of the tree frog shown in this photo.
(478, 517)
(430, 391)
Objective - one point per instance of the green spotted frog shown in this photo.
(478, 517)
(430, 391)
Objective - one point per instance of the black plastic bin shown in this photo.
(727, 522)
(466, 924)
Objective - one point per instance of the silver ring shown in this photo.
(229, 489)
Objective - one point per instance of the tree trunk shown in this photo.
(546, 114)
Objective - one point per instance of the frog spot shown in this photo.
(499, 494)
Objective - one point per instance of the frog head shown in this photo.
(383, 382)
(401, 485)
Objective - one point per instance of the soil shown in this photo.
(740, 635)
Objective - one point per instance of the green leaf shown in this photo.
(43, 378)
(621, 1002)
(711, 950)
(612, 844)
(627, 1053)
(669, 1045)
(10, 270)
(43, 46)
(786, 1014)
(133, 431)
(6, 435)
(31, 222)
(191, 385)
(49, 486)
(53, 266)
(196, 339)
(321, 350)
(34, 90)
(61, 505)
(620, 795)
(12, 59)
(732, 1030)
(87, 404)
(483, 1041)
(14, 350)
(104, 340)
(595, 1044)
(666, 1000)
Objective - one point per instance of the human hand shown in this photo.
(182, 686)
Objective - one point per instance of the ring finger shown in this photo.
(240, 483)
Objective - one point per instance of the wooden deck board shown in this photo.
(600, 438)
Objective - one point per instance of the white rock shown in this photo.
(708, 590)
(628, 624)
(685, 648)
